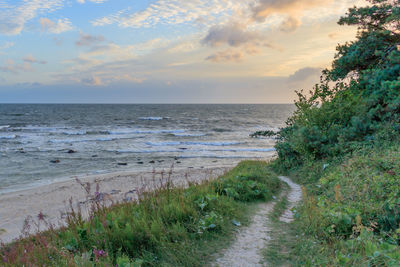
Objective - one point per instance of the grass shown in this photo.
(277, 253)
(350, 215)
(166, 227)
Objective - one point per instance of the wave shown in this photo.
(189, 135)
(13, 136)
(164, 143)
(75, 132)
(144, 151)
(194, 143)
(218, 157)
(68, 141)
(247, 150)
(2, 127)
(42, 128)
(214, 143)
(151, 118)
(129, 131)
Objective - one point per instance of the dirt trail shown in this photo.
(246, 249)
(294, 197)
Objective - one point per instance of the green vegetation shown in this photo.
(167, 227)
(351, 215)
(357, 102)
(342, 144)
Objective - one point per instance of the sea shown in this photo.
(45, 143)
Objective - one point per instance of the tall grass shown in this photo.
(165, 227)
(350, 216)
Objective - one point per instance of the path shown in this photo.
(294, 197)
(246, 250)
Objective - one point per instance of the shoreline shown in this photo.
(53, 199)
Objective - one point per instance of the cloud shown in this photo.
(92, 81)
(101, 79)
(62, 25)
(304, 74)
(129, 78)
(293, 9)
(93, 1)
(235, 35)
(31, 59)
(290, 24)
(11, 67)
(226, 56)
(88, 40)
(265, 8)
(14, 18)
(232, 34)
(333, 35)
(171, 12)
(5, 46)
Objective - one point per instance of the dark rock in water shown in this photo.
(221, 130)
(71, 151)
(178, 162)
(215, 161)
(159, 161)
(152, 162)
(140, 162)
(55, 161)
(122, 163)
(183, 148)
(114, 192)
(94, 156)
(175, 158)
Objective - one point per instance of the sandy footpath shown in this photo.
(250, 240)
(52, 200)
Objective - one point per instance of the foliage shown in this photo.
(356, 98)
(167, 227)
(342, 144)
(351, 216)
(252, 183)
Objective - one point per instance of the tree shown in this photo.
(357, 98)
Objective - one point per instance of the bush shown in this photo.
(356, 98)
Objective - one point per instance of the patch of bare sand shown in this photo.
(52, 200)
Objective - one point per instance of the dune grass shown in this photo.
(165, 227)
(350, 215)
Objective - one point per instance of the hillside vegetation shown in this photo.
(342, 144)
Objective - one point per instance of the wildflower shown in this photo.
(99, 253)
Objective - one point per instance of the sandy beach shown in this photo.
(53, 200)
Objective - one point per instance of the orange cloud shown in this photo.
(226, 56)
(265, 8)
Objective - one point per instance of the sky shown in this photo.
(166, 51)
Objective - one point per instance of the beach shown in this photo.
(53, 200)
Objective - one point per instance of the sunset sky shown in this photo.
(166, 51)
